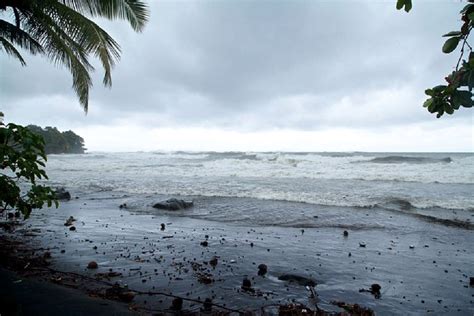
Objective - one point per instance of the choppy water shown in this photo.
(439, 185)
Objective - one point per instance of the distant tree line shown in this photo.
(57, 142)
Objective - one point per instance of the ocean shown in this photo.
(426, 185)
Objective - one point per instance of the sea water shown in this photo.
(430, 185)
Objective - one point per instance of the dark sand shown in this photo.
(430, 278)
(27, 296)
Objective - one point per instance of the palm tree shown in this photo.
(63, 31)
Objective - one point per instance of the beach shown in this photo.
(420, 257)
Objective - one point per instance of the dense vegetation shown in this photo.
(57, 142)
(22, 161)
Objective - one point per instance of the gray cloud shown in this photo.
(253, 65)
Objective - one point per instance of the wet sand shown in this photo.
(431, 277)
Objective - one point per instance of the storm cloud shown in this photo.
(253, 68)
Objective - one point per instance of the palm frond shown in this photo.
(19, 37)
(134, 11)
(11, 50)
(91, 37)
(62, 49)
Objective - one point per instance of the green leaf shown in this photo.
(452, 33)
(448, 109)
(408, 5)
(467, 9)
(429, 92)
(450, 44)
(400, 4)
(439, 88)
(428, 102)
(432, 107)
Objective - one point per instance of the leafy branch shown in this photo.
(447, 98)
(23, 158)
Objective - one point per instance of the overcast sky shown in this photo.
(258, 76)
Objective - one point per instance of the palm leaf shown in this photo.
(134, 11)
(91, 37)
(11, 50)
(19, 37)
(63, 50)
(59, 29)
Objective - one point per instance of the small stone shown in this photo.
(127, 296)
(47, 255)
(471, 281)
(213, 261)
(375, 287)
(207, 305)
(163, 226)
(177, 304)
(92, 265)
(246, 284)
(262, 269)
(362, 244)
(204, 243)
(345, 233)
(412, 246)
(72, 228)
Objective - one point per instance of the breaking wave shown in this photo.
(406, 159)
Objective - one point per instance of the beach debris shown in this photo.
(362, 244)
(205, 278)
(213, 261)
(201, 273)
(312, 292)
(177, 304)
(108, 275)
(295, 309)
(163, 226)
(374, 289)
(471, 281)
(173, 204)
(262, 269)
(345, 233)
(72, 228)
(69, 221)
(120, 293)
(207, 305)
(92, 265)
(204, 243)
(247, 285)
(122, 206)
(62, 195)
(354, 309)
(293, 278)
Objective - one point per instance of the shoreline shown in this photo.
(174, 261)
